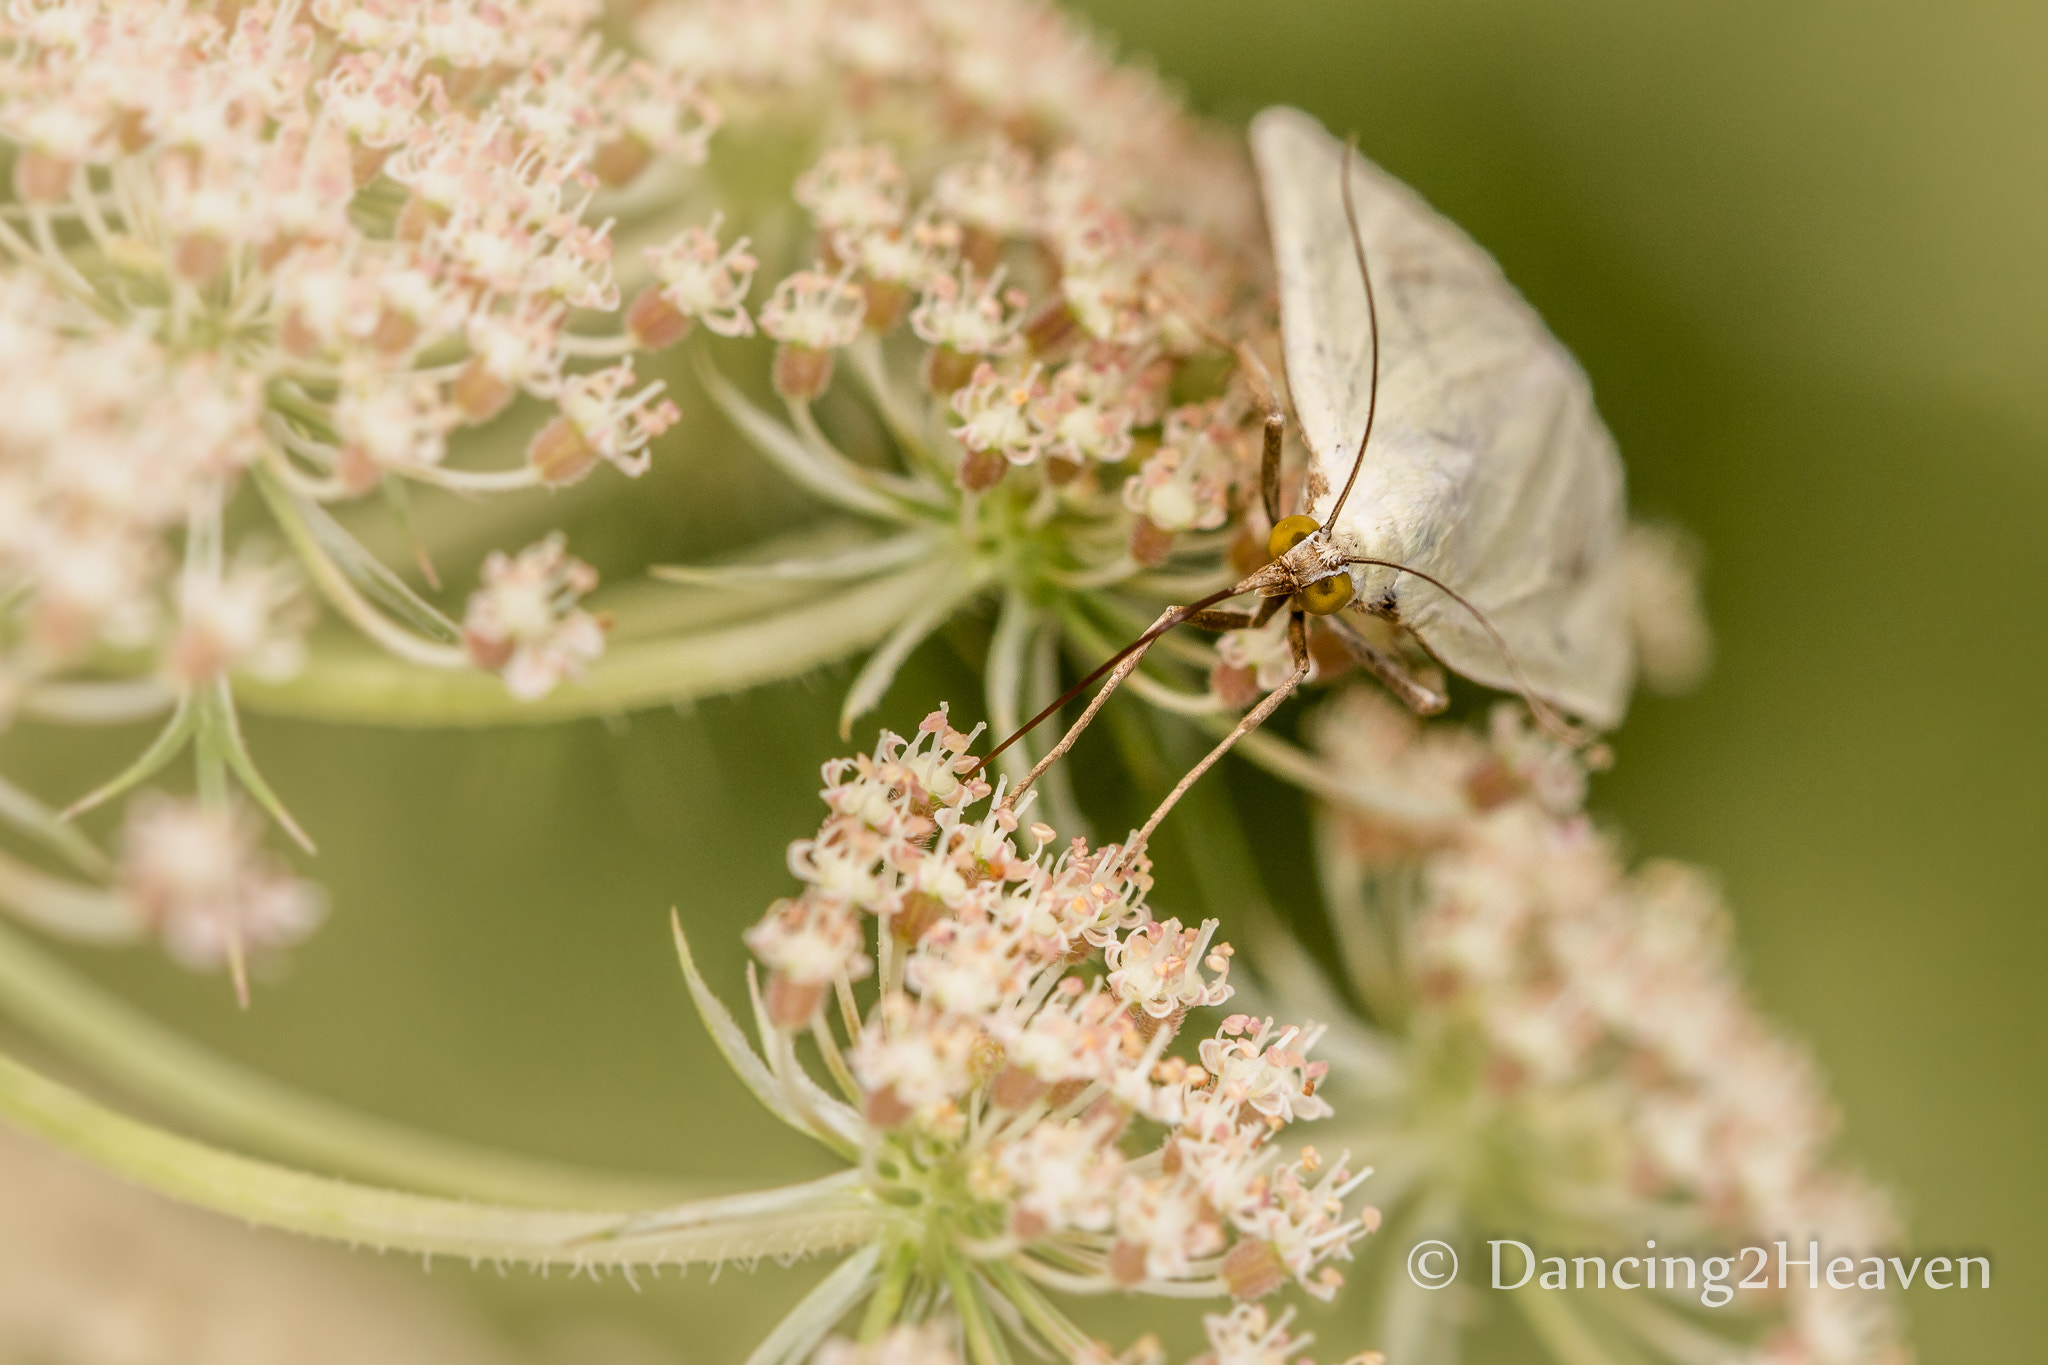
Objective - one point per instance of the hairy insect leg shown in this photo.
(1393, 672)
(1224, 620)
(1115, 680)
(1233, 619)
(1297, 643)
(1260, 380)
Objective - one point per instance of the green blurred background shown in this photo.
(1800, 248)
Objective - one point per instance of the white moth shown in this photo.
(1488, 467)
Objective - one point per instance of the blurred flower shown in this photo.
(1582, 1023)
(197, 875)
(303, 246)
(524, 621)
(1674, 645)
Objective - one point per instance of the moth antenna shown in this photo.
(1372, 316)
(1158, 628)
(1546, 715)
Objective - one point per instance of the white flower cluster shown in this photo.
(1064, 361)
(1049, 223)
(302, 244)
(1032, 1108)
(310, 239)
(1603, 1007)
(110, 442)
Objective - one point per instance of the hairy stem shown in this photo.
(185, 1082)
(364, 687)
(388, 1220)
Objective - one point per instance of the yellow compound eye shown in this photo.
(1290, 532)
(1326, 595)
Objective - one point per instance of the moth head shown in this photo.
(1318, 579)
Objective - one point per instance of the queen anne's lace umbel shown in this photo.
(1021, 1108)
(1587, 1022)
(307, 246)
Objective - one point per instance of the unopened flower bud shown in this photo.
(199, 257)
(1235, 687)
(888, 301)
(919, 912)
(561, 454)
(1252, 1269)
(1051, 330)
(802, 374)
(946, 369)
(793, 1004)
(1150, 544)
(620, 161)
(885, 1109)
(655, 323)
(1015, 1088)
(40, 178)
(1127, 1263)
(981, 470)
(480, 395)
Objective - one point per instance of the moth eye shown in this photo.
(1290, 532)
(1326, 595)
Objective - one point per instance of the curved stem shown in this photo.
(86, 914)
(371, 689)
(905, 426)
(98, 703)
(292, 1201)
(177, 1078)
(798, 1334)
(476, 480)
(912, 490)
(341, 594)
(1003, 676)
(872, 682)
(37, 821)
(859, 561)
(788, 452)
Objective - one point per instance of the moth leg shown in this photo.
(1260, 381)
(1237, 619)
(1297, 644)
(1213, 619)
(1417, 694)
(1297, 639)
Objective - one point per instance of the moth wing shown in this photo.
(1489, 466)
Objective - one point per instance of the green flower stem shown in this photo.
(89, 914)
(1366, 926)
(361, 686)
(120, 701)
(836, 481)
(342, 595)
(184, 1082)
(1060, 1333)
(798, 1334)
(39, 822)
(292, 1201)
(958, 584)
(984, 1346)
(888, 1297)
